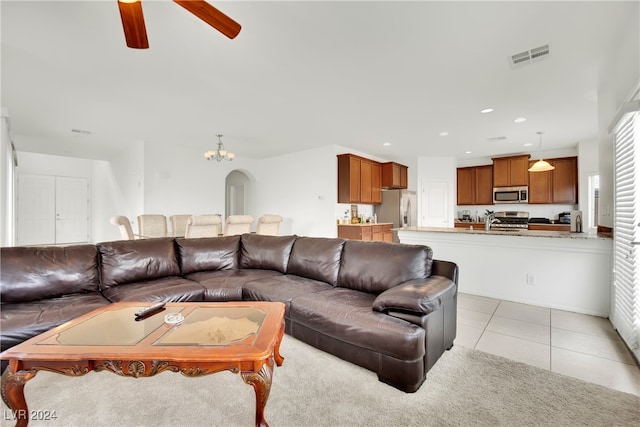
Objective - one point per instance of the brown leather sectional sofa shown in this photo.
(387, 307)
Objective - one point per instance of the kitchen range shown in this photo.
(510, 220)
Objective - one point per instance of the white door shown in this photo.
(72, 210)
(36, 214)
(52, 210)
(434, 203)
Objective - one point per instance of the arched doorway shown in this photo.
(237, 191)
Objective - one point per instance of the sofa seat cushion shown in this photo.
(21, 321)
(34, 273)
(346, 315)
(169, 289)
(226, 285)
(282, 289)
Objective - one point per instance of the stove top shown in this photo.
(511, 220)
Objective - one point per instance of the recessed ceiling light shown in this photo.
(467, 152)
(528, 144)
(387, 144)
(520, 120)
(444, 133)
(486, 110)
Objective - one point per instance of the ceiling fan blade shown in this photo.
(212, 16)
(135, 32)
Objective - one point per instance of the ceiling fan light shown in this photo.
(541, 166)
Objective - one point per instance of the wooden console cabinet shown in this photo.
(380, 232)
(475, 185)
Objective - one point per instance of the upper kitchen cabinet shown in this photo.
(559, 186)
(359, 180)
(394, 175)
(565, 180)
(475, 185)
(511, 171)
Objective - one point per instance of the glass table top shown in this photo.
(213, 326)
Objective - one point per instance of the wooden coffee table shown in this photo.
(241, 337)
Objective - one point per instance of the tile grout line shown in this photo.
(550, 342)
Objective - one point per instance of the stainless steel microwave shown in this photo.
(510, 195)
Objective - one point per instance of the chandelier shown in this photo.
(220, 153)
(541, 165)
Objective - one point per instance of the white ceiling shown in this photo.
(308, 74)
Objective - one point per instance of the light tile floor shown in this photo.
(577, 345)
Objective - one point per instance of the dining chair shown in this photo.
(152, 226)
(238, 224)
(203, 226)
(268, 225)
(179, 225)
(124, 225)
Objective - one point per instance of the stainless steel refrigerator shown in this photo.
(398, 207)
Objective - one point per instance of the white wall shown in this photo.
(617, 84)
(7, 209)
(303, 188)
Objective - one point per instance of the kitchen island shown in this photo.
(556, 269)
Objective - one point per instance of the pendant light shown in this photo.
(220, 153)
(541, 165)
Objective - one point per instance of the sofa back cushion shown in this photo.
(35, 273)
(127, 261)
(375, 267)
(316, 258)
(265, 252)
(208, 253)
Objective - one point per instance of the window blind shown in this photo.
(626, 288)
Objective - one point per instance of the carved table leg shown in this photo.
(276, 350)
(13, 393)
(261, 382)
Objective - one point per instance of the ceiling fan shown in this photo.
(135, 31)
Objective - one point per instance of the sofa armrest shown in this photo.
(418, 297)
(445, 268)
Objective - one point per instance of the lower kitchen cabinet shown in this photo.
(369, 232)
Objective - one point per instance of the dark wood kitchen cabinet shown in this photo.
(565, 180)
(475, 185)
(540, 191)
(558, 186)
(511, 171)
(394, 176)
(359, 180)
(368, 232)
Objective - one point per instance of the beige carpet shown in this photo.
(312, 388)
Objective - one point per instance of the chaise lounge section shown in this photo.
(389, 308)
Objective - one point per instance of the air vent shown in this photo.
(497, 138)
(529, 56)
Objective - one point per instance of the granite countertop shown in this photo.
(366, 224)
(526, 233)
